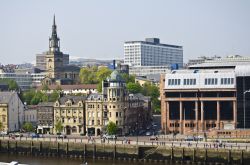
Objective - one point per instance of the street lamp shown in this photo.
(244, 104)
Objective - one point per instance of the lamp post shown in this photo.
(244, 106)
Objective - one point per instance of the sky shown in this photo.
(98, 28)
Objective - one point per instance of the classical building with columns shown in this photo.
(202, 100)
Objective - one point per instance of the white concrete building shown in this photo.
(152, 53)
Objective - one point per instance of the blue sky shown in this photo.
(97, 29)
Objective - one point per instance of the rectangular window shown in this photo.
(179, 81)
(209, 81)
(212, 81)
(194, 81)
(221, 81)
(185, 81)
(116, 114)
(216, 81)
(232, 80)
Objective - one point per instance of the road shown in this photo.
(132, 140)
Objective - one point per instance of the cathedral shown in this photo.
(56, 63)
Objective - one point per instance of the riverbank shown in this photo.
(135, 153)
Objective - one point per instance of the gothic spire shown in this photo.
(54, 41)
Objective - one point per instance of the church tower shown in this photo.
(54, 58)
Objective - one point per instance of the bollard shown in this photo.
(84, 151)
(205, 157)
(183, 154)
(94, 151)
(67, 149)
(229, 157)
(242, 157)
(114, 152)
(16, 147)
(58, 148)
(172, 154)
(194, 153)
(40, 147)
(31, 147)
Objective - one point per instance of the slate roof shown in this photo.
(6, 96)
(74, 99)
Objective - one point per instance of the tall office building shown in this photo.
(152, 53)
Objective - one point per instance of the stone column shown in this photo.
(218, 115)
(235, 113)
(181, 121)
(196, 116)
(202, 116)
(167, 116)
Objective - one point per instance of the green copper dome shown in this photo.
(116, 76)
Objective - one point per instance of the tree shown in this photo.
(99, 87)
(54, 96)
(128, 78)
(88, 75)
(111, 128)
(103, 73)
(58, 126)
(28, 127)
(134, 87)
(152, 91)
(45, 87)
(28, 95)
(12, 85)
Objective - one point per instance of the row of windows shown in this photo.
(189, 81)
(208, 81)
(211, 81)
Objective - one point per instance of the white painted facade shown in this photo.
(209, 79)
(142, 53)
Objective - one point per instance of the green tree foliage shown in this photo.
(58, 127)
(32, 97)
(111, 128)
(128, 78)
(133, 87)
(152, 91)
(102, 73)
(99, 87)
(28, 95)
(93, 75)
(11, 83)
(45, 87)
(28, 127)
(53, 96)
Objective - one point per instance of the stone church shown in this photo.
(56, 63)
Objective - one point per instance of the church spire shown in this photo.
(54, 41)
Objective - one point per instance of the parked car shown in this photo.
(61, 136)
(18, 134)
(34, 135)
(189, 138)
(111, 137)
(148, 133)
(3, 133)
(153, 138)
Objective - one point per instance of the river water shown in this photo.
(32, 160)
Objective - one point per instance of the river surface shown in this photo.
(33, 160)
